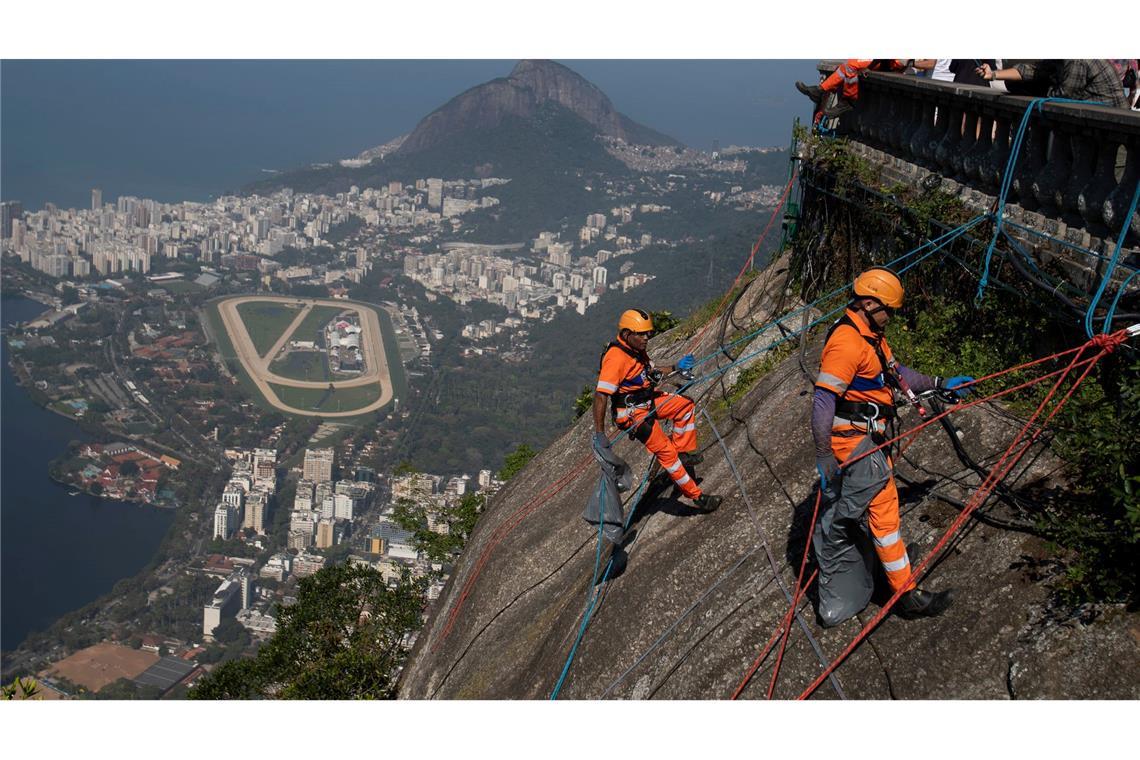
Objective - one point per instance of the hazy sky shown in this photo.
(176, 130)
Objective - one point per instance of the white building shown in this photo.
(225, 521)
(234, 495)
(225, 603)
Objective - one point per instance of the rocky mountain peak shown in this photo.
(531, 86)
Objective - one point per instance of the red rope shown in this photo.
(501, 533)
(1107, 343)
(800, 589)
(767, 648)
(1003, 467)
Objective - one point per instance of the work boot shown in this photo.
(838, 108)
(707, 502)
(917, 603)
(690, 458)
(813, 91)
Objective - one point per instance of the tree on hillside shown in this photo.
(516, 460)
(343, 639)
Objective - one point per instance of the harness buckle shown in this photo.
(874, 415)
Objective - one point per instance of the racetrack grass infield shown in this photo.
(321, 400)
(304, 365)
(229, 355)
(317, 318)
(265, 321)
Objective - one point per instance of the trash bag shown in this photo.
(605, 502)
(842, 541)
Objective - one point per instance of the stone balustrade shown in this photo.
(1078, 168)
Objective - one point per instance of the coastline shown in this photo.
(87, 492)
(102, 542)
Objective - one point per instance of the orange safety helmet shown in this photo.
(635, 320)
(881, 284)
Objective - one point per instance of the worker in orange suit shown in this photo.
(845, 82)
(854, 398)
(627, 383)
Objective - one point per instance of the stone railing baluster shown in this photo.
(1076, 169)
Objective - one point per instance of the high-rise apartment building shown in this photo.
(255, 507)
(325, 534)
(318, 464)
(225, 518)
(434, 194)
(10, 211)
(96, 199)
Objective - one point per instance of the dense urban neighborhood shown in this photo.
(134, 348)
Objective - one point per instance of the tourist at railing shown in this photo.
(1080, 78)
(1127, 69)
(937, 69)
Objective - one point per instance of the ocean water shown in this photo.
(192, 130)
(57, 552)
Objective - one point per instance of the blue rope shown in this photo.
(1007, 182)
(1110, 268)
(939, 242)
(1112, 309)
(594, 594)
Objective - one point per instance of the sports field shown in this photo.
(305, 365)
(317, 318)
(265, 321)
(322, 400)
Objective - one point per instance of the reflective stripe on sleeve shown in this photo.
(605, 387)
(831, 381)
(685, 428)
(675, 466)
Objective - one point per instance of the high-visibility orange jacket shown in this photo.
(621, 372)
(851, 369)
(847, 75)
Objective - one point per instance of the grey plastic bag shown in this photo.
(842, 541)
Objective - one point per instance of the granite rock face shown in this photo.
(700, 595)
(530, 86)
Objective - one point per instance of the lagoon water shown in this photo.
(57, 552)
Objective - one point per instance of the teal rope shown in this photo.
(1109, 270)
(1007, 182)
(594, 593)
(1112, 309)
(1065, 243)
(939, 242)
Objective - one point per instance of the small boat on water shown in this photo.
(73, 493)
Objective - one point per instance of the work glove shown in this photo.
(953, 383)
(827, 468)
(687, 362)
(601, 443)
